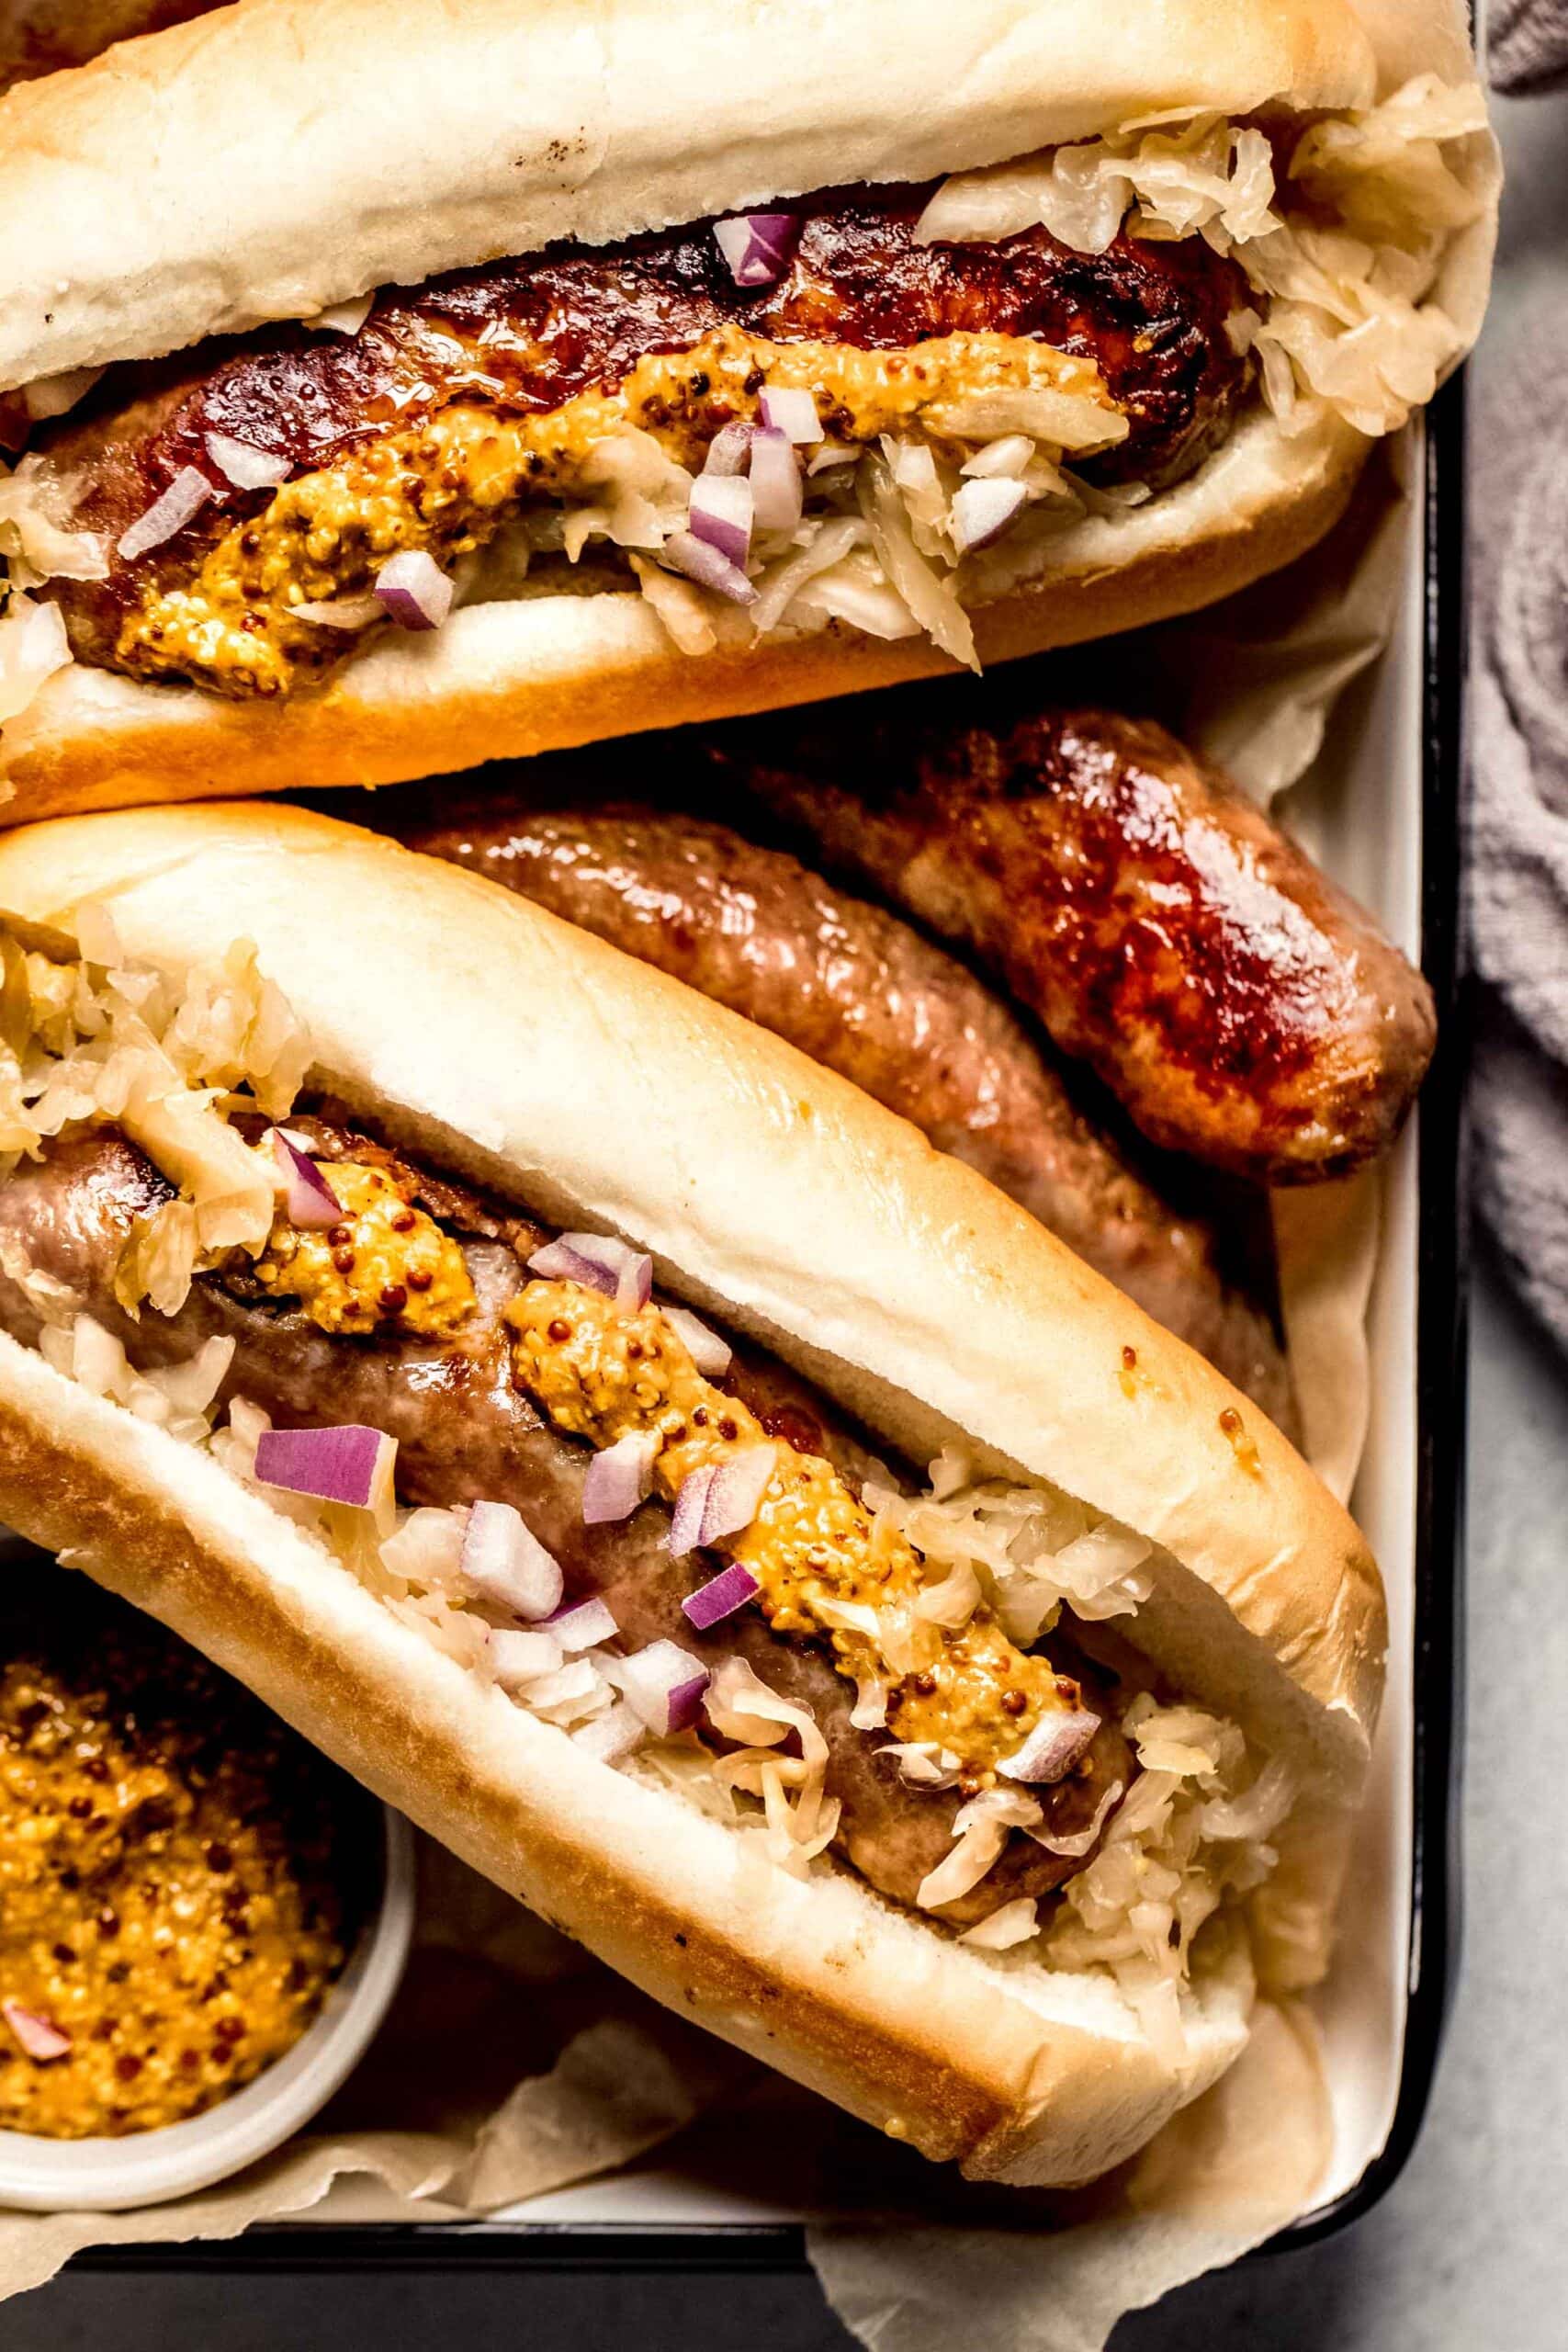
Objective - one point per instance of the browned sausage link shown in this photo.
(465, 1434)
(526, 336)
(1163, 930)
(858, 990)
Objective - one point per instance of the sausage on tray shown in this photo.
(466, 1432)
(1163, 929)
(858, 990)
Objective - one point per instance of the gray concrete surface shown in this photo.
(1468, 2250)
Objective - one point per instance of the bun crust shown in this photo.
(549, 671)
(497, 125)
(528, 1055)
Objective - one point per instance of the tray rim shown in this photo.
(610, 2247)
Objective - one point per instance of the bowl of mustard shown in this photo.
(202, 1921)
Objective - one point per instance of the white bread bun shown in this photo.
(534, 1059)
(545, 672)
(283, 156)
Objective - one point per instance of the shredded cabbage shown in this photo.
(1014, 1923)
(980, 1830)
(33, 646)
(1191, 1827)
(92, 1040)
(1027, 1550)
(1350, 320)
(35, 503)
(740, 1705)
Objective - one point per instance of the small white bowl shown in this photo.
(147, 2168)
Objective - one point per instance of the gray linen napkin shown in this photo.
(1526, 45)
(1518, 844)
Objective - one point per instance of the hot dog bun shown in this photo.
(541, 1062)
(544, 672)
(497, 128)
(499, 125)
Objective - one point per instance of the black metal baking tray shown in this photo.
(1440, 1433)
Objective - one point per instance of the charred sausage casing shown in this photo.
(403, 435)
(861, 991)
(1163, 929)
(466, 1433)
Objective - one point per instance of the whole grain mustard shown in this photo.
(386, 1261)
(601, 1373)
(179, 1875)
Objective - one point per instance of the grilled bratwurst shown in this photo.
(1162, 928)
(446, 1387)
(453, 406)
(859, 990)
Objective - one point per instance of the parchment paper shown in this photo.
(512, 2065)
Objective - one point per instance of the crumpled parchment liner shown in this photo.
(1220, 2177)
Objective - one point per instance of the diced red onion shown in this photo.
(241, 463)
(350, 1464)
(310, 1202)
(777, 488)
(721, 1497)
(40, 2037)
(600, 1261)
(579, 1687)
(705, 564)
(1052, 1747)
(619, 1478)
(611, 1735)
(665, 1684)
(583, 1626)
(736, 1495)
(720, 1597)
(923, 1763)
(506, 1563)
(721, 515)
(686, 1521)
(517, 1658)
(726, 450)
(757, 245)
(711, 1355)
(792, 412)
(413, 590)
(341, 612)
(185, 495)
(983, 509)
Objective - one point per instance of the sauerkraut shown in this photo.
(101, 1040)
(1342, 237)
(1347, 250)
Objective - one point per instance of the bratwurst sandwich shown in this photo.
(615, 366)
(523, 1373)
